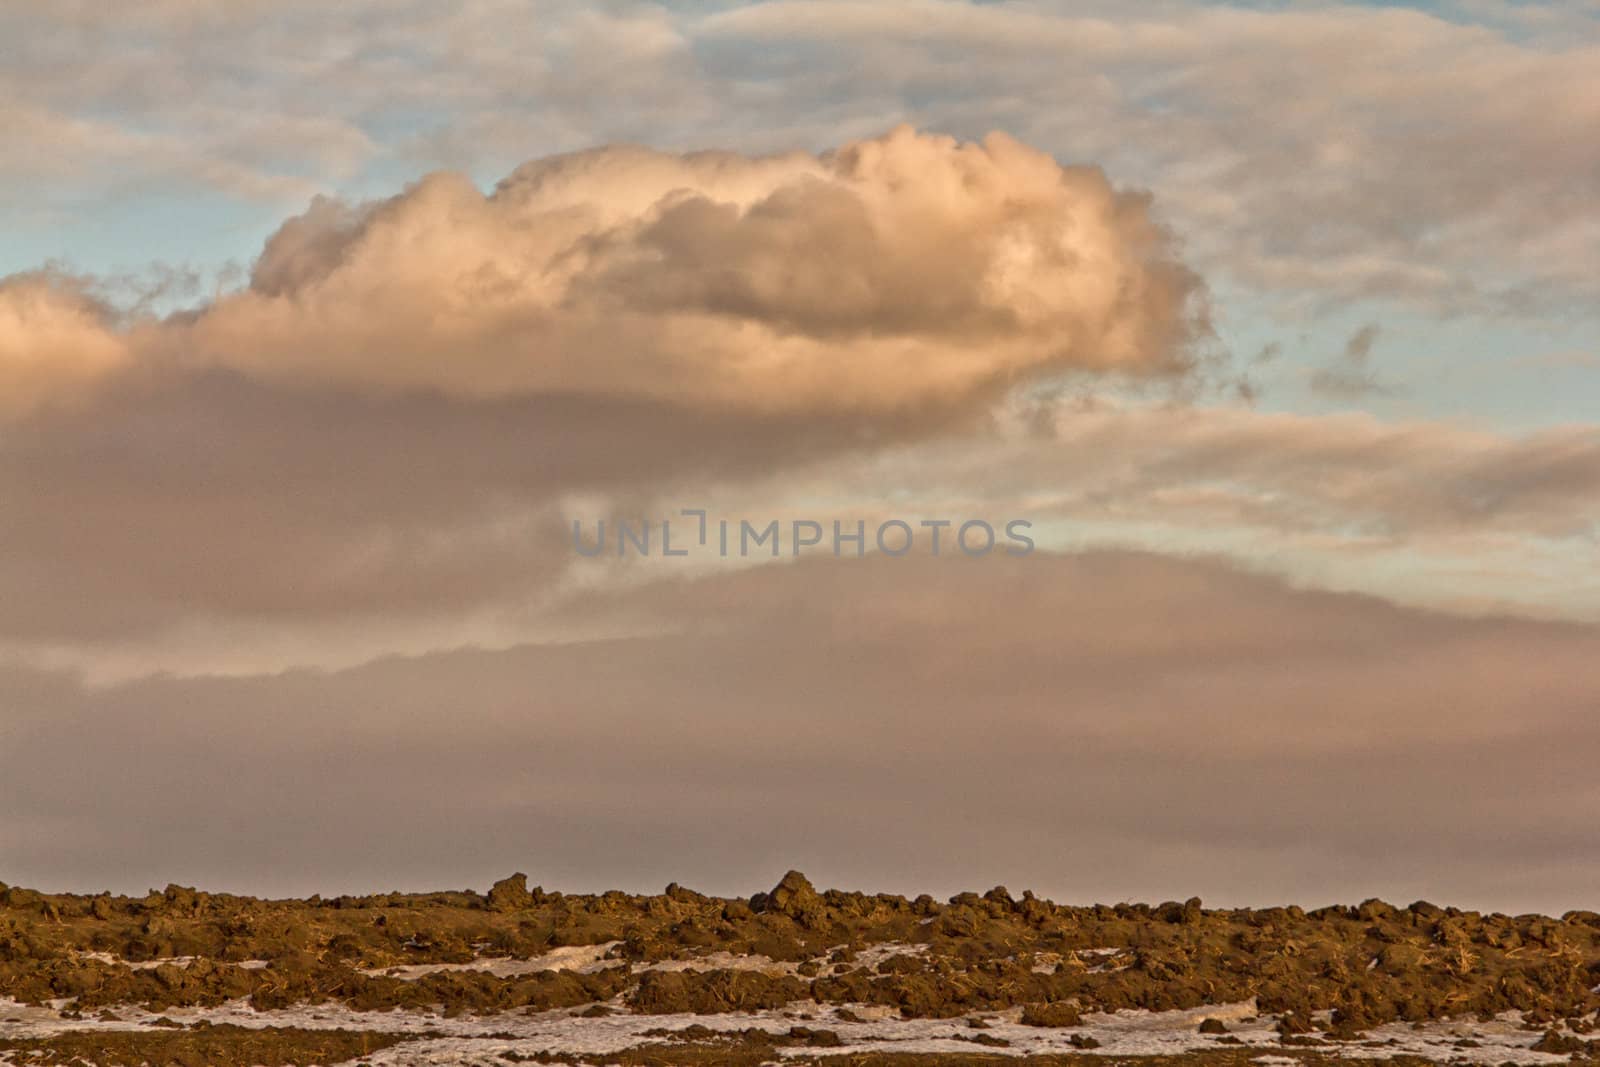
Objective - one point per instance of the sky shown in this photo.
(321, 328)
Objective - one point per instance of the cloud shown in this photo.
(1351, 377)
(1347, 474)
(218, 522)
(1317, 153)
(381, 427)
(908, 273)
(1422, 512)
(374, 445)
(177, 499)
(55, 339)
(1095, 726)
(905, 272)
(1320, 153)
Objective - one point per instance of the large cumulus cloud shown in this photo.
(908, 271)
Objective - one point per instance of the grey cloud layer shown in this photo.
(182, 504)
(188, 498)
(1094, 726)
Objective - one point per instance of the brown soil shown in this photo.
(744, 1051)
(1371, 963)
(202, 1046)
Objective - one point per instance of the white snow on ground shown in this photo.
(873, 955)
(581, 959)
(471, 1040)
(482, 1039)
(142, 965)
(587, 959)
(175, 961)
(724, 961)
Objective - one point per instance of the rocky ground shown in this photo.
(793, 975)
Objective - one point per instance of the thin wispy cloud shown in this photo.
(1352, 376)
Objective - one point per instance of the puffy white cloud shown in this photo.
(905, 272)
